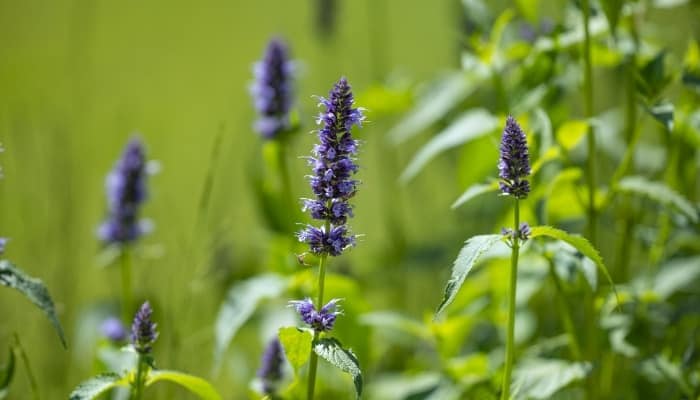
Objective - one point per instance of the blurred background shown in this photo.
(79, 78)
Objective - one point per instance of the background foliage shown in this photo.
(77, 78)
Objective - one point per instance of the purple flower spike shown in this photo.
(270, 372)
(143, 330)
(126, 191)
(113, 329)
(320, 321)
(514, 163)
(3, 243)
(333, 166)
(272, 90)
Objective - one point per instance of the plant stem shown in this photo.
(313, 363)
(138, 384)
(126, 282)
(286, 187)
(30, 375)
(588, 109)
(510, 340)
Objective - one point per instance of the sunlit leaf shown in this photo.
(34, 289)
(296, 344)
(538, 378)
(571, 133)
(332, 351)
(468, 256)
(203, 389)
(469, 126)
(380, 100)
(95, 386)
(658, 192)
(240, 303)
(7, 371)
(433, 105)
(475, 191)
(579, 242)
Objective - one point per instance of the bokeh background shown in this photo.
(78, 78)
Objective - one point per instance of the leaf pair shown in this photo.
(102, 383)
(477, 246)
(297, 344)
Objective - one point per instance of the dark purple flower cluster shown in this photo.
(319, 321)
(113, 329)
(143, 330)
(514, 163)
(270, 371)
(333, 165)
(126, 191)
(272, 89)
(523, 233)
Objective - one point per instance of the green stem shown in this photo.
(137, 388)
(30, 375)
(510, 340)
(565, 313)
(588, 109)
(283, 169)
(313, 363)
(126, 282)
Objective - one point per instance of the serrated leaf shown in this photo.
(580, 243)
(296, 344)
(612, 10)
(474, 191)
(241, 301)
(200, 387)
(541, 378)
(658, 192)
(570, 133)
(7, 371)
(98, 385)
(468, 256)
(447, 93)
(469, 126)
(34, 289)
(332, 351)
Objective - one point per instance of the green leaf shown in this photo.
(396, 321)
(98, 385)
(658, 192)
(663, 112)
(580, 243)
(612, 10)
(34, 289)
(538, 378)
(475, 191)
(296, 344)
(194, 384)
(473, 249)
(469, 126)
(446, 94)
(7, 371)
(570, 133)
(676, 275)
(240, 303)
(332, 351)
